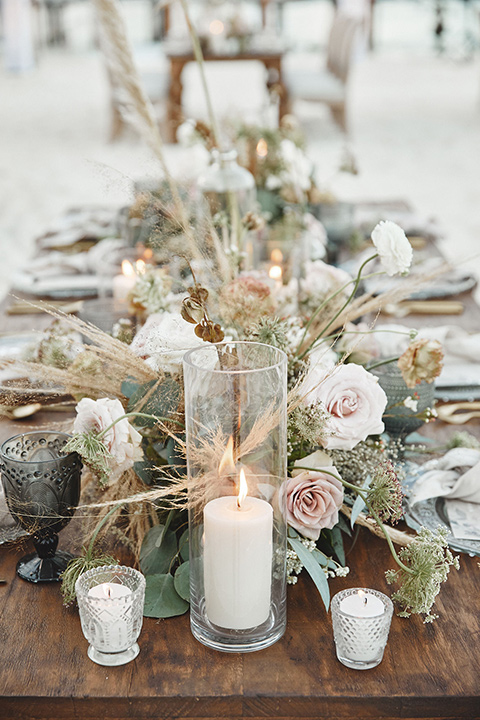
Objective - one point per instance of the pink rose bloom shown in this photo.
(122, 440)
(312, 501)
(356, 403)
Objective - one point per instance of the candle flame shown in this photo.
(262, 148)
(362, 595)
(276, 256)
(148, 254)
(216, 27)
(275, 272)
(227, 463)
(140, 267)
(127, 268)
(107, 591)
(242, 489)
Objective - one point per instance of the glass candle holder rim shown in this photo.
(282, 358)
(224, 154)
(4, 456)
(339, 596)
(83, 591)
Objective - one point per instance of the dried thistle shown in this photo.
(94, 454)
(271, 331)
(385, 493)
(425, 564)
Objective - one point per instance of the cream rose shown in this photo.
(355, 402)
(122, 440)
(393, 247)
(312, 501)
(164, 340)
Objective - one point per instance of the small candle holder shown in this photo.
(361, 623)
(110, 600)
(235, 407)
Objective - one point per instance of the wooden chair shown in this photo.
(329, 85)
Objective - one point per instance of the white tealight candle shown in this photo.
(113, 634)
(238, 561)
(362, 604)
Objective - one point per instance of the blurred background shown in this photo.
(409, 89)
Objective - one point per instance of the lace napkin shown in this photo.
(456, 477)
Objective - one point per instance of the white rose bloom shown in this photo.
(393, 247)
(298, 166)
(164, 340)
(122, 440)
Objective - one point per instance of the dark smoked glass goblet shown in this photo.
(42, 489)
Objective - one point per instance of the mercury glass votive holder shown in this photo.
(361, 631)
(110, 601)
(235, 409)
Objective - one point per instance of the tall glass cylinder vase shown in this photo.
(236, 429)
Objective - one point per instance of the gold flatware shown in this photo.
(424, 307)
(26, 308)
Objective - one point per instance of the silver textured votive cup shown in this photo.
(361, 623)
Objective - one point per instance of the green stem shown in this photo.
(197, 50)
(331, 297)
(364, 496)
(137, 414)
(379, 363)
(89, 552)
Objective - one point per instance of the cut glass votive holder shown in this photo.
(361, 623)
(110, 600)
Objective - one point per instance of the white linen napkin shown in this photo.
(456, 477)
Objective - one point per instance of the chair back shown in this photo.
(341, 43)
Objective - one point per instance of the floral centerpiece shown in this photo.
(130, 421)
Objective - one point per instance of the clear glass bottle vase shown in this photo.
(235, 407)
(229, 193)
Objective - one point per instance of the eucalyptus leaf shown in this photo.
(129, 387)
(357, 508)
(313, 568)
(184, 546)
(157, 559)
(343, 525)
(323, 559)
(181, 581)
(161, 598)
(162, 402)
(337, 542)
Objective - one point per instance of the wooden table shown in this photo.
(428, 671)
(271, 61)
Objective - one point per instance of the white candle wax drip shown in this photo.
(238, 561)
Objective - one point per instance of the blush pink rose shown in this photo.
(355, 403)
(312, 501)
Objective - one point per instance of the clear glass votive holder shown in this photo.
(235, 409)
(110, 600)
(361, 623)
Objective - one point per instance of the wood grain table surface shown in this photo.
(428, 671)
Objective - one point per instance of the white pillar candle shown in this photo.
(238, 561)
(112, 627)
(124, 283)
